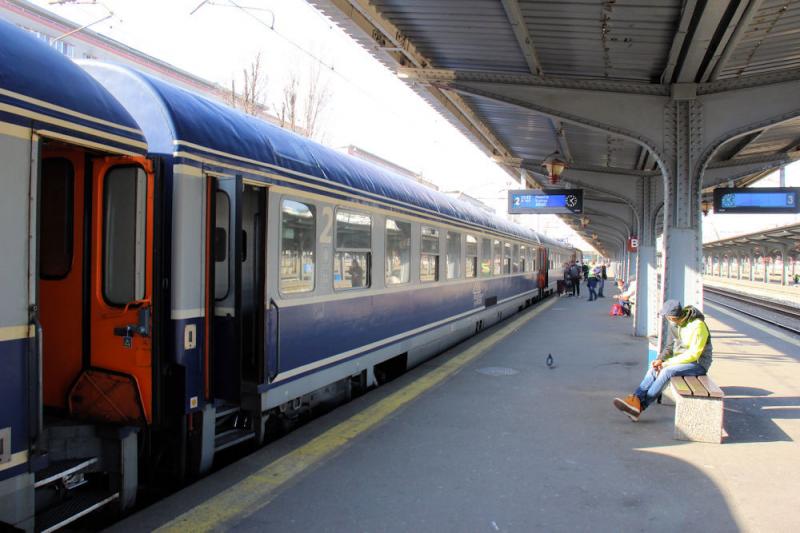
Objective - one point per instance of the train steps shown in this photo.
(231, 427)
(64, 471)
(78, 506)
(232, 437)
(63, 493)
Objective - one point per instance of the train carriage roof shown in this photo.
(175, 119)
(43, 89)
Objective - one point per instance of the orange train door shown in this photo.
(61, 269)
(544, 266)
(118, 384)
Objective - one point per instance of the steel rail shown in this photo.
(785, 310)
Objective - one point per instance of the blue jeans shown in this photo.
(601, 282)
(655, 382)
(592, 294)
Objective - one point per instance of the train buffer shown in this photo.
(487, 437)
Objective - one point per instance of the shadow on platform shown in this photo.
(750, 415)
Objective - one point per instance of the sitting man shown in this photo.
(688, 353)
(627, 296)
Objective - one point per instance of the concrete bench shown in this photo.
(698, 408)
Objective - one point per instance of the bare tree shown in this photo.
(251, 100)
(303, 103)
(300, 106)
(232, 97)
(286, 109)
(316, 100)
(254, 86)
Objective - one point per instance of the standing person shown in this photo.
(602, 281)
(585, 269)
(688, 353)
(575, 278)
(567, 282)
(591, 282)
(356, 274)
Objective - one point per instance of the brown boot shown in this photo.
(631, 406)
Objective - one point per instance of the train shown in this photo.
(178, 276)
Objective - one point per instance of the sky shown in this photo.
(368, 106)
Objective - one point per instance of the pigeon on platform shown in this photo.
(549, 361)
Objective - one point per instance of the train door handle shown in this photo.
(142, 328)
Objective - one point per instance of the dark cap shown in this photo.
(671, 308)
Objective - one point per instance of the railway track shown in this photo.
(774, 307)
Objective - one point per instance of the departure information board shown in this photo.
(757, 200)
(545, 201)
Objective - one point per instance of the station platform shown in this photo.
(487, 437)
(788, 294)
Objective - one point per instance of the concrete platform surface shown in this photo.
(508, 444)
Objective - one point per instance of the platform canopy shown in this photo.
(464, 56)
(783, 241)
(651, 104)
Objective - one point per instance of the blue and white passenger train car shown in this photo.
(176, 274)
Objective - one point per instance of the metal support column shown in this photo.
(784, 267)
(631, 265)
(738, 266)
(645, 320)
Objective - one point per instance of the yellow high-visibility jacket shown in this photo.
(690, 342)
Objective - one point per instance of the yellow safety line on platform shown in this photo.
(786, 337)
(257, 490)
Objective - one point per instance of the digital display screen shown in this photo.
(545, 201)
(757, 200)
(538, 201)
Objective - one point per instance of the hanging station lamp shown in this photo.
(554, 164)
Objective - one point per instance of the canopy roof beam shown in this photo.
(399, 49)
(525, 42)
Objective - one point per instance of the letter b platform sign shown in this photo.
(633, 244)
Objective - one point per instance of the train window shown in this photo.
(515, 258)
(124, 214)
(352, 262)
(298, 242)
(506, 258)
(398, 252)
(531, 260)
(429, 255)
(523, 259)
(498, 258)
(486, 257)
(472, 257)
(453, 255)
(221, 232)
(220, 245)
(56, 218)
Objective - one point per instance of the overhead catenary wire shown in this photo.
(328, 66)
